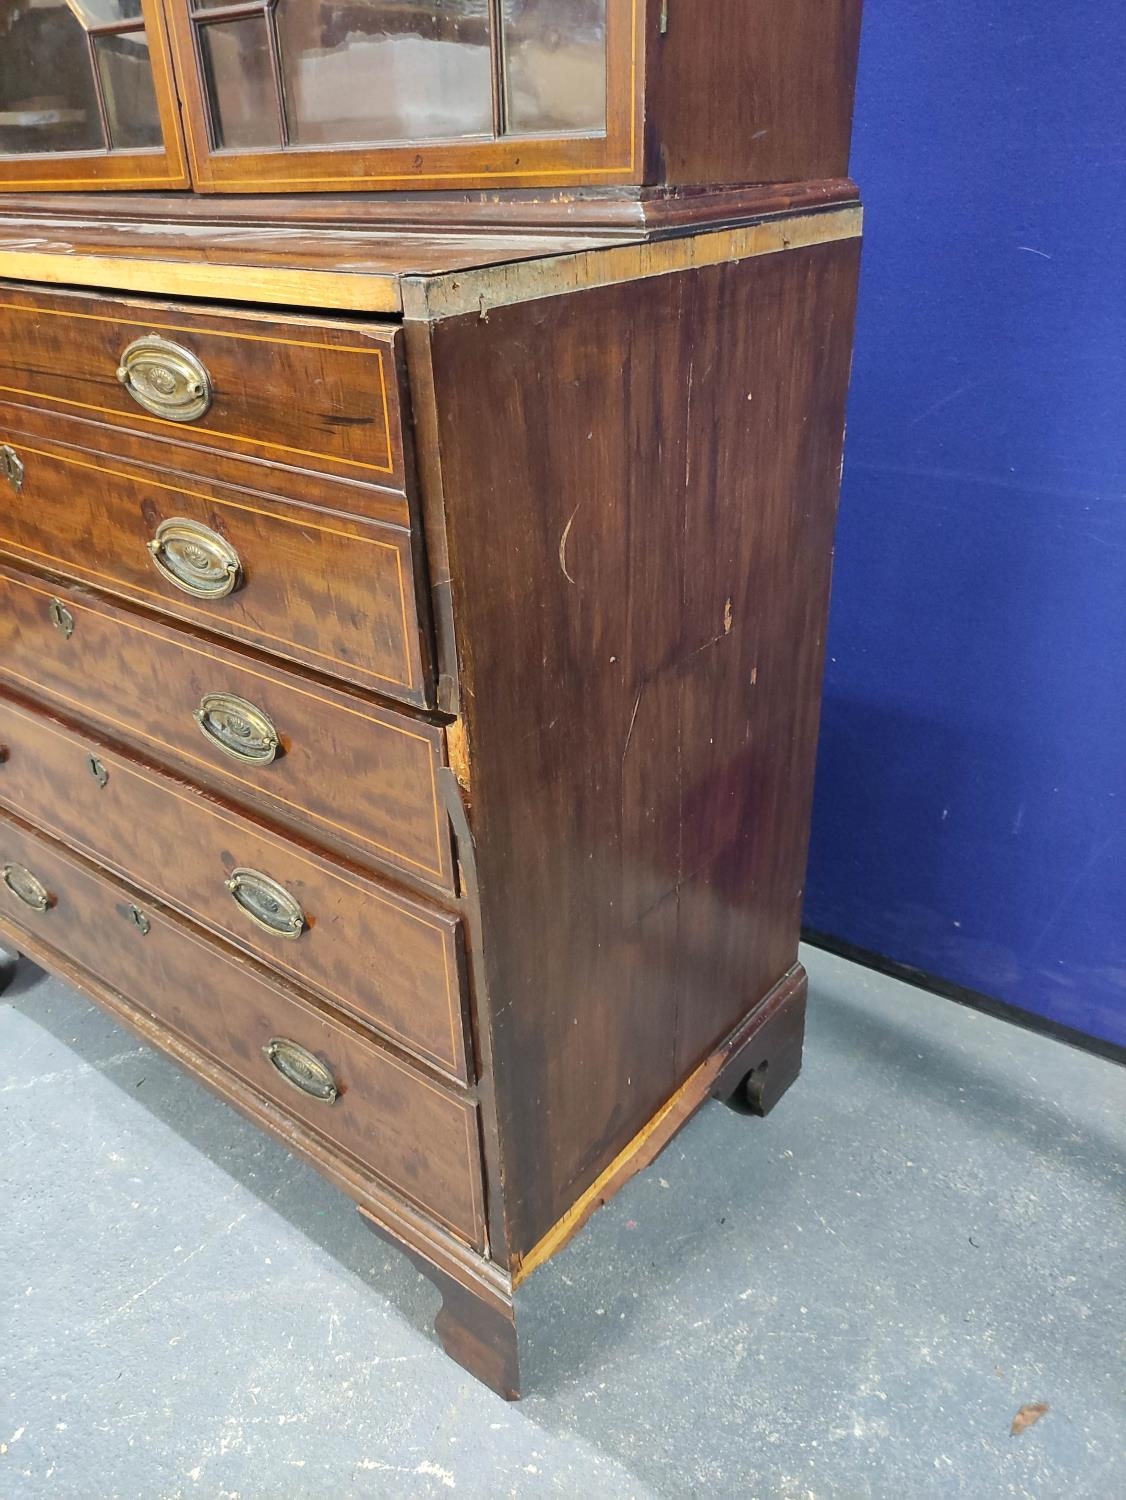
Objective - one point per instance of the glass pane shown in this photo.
(359, 71)
(555, 65)
(48, 101)
(107, 12)
(127, 87)
(240, 83)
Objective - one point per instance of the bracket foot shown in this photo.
(476, 1324)
(767, 1063)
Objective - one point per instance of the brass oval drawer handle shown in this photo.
(266, 902)
(238, 728)
(166, 379)
(301, 1069)
(11, 467)
(25, 887)
(196, 559)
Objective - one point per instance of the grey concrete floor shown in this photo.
(852, 1298)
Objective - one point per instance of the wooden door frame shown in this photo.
(512, 162)
(88, 171)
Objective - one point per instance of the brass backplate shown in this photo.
(237, 728)
(26, 887)
(195, 559)
(301, 1070)
(267, 903)
(166, 379)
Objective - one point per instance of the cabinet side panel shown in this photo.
(641, 485)
(752, 91)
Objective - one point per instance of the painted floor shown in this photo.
(853, 1298)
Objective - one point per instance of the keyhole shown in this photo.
(139, 920)
(62, 619)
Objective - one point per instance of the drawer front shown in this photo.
(298, 392)
(391, 962)
(356, 777)
(333, 592)
(419, 1137)
(178, 463)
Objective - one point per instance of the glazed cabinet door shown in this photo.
(334, 94)
(86, 96)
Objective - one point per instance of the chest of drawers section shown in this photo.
(243, 473)
(220, 803)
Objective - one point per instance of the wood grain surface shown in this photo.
(350, 774)
(335, 593)
(180, 462)
(762, 92)
(456, 227)
(297, 392)
(640, 666)
(391, 961)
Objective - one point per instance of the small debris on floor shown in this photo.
(1028, 1416)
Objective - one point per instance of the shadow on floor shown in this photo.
(937, 1068)
(827, 1302)
(680, 1235)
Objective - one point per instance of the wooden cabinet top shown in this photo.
(463, 264)
(330, 96)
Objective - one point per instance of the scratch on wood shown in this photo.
(728, 617)
(709, 644)
(632, 722)
(688, 426)
(563, 543)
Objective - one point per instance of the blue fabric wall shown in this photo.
(970, 813)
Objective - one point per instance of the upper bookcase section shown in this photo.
(303, 96)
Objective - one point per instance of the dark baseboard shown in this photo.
(973, 998)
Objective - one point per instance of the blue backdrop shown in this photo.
(970, 813)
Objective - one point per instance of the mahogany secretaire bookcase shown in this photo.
(420, 435)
